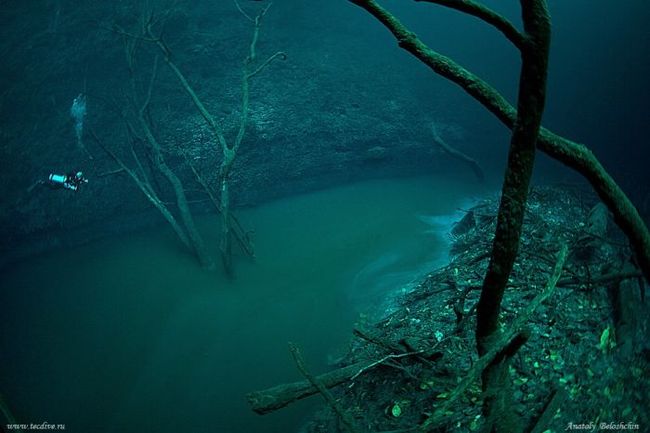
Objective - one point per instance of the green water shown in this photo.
(129, 335)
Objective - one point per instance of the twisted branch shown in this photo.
(486, 14)
(572, 154)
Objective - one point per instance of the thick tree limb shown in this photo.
(229, 151)
(212, 123)
(514, 195)
(240, 234)
(272, 399)
(478, 10)
(195, 241)
(509, 343)
(345, 418)
(570, 153)
(625, 214)
(519, 171)
(277, 397)
(143, 183)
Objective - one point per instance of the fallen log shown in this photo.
(277, 397)
(346, 419)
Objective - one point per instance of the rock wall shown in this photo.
(340, 108)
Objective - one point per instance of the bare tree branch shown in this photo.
(570, 153)
(457, 154)
(486, 14)
(344, 416)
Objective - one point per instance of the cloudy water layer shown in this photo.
(130, 335)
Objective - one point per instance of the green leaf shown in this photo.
(605, 339)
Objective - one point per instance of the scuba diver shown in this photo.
(71, 181)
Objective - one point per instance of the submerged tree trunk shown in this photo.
(185, 229)
(226, 239)
(521, 159)
(570, 153)
(229, 151)
(193, 237)
(147, 189)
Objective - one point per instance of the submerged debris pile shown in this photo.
(583, 357)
